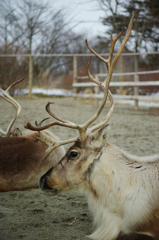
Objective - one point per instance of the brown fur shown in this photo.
(20, 161)
(93, 191)
(135, 237)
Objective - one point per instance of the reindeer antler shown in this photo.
(110, 67)
(16, 105)
(83, 129)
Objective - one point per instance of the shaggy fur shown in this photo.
(127, 194)
(122, 190)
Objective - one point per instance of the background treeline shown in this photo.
(36, 26)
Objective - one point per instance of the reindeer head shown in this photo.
(76, 167)
(79, 163)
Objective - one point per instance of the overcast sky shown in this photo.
(84, 11)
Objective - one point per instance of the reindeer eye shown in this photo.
(73, 155)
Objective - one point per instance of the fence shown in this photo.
(135, 84)
(136, 97)
(77, 78)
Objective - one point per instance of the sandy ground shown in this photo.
(35, 215)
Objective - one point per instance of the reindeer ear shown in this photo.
(100, 137)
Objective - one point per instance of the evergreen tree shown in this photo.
(146, 22)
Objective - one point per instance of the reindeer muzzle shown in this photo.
(45, 186)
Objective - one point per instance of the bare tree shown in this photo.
(31, 17)
(28, 26)
(8, 30)
(36, 26)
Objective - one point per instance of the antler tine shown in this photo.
(17, 112)
(106, 119)
(60, 122)
(53, 115)
(39, 124)
(16, 105)
(52, 144)
(112, 45)
(109, 59)
(16, 82)
(107, 80)
(104, 98)
(90, 75)
(96, 54)
(93, 118)
(38, 128)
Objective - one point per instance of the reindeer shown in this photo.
(122, 190)
(21, 153)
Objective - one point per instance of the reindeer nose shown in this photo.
(43, 184)
(43, 181)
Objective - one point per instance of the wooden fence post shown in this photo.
(136, 79)
(30, 75)
(121, 66)
(96, 90)
(74, 73)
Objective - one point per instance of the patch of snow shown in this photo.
(141, 104)
(66, 93)
(55, 92)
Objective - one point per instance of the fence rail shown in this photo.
(77, 78)
(116, 96)
(118, 84)
(134, 84)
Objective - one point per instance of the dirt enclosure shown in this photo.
(36, 215)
